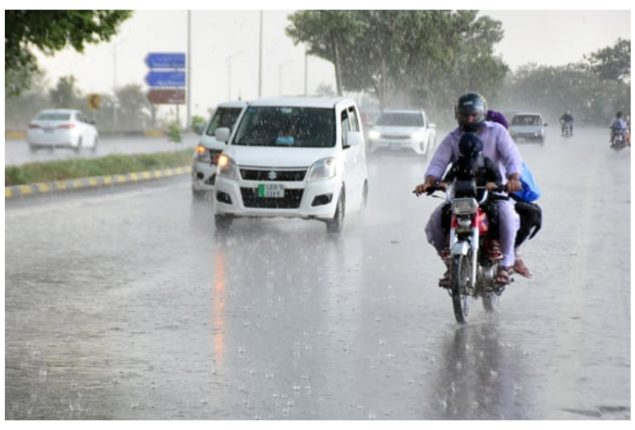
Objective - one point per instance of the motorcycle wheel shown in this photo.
(460, 276)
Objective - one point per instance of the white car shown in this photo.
(398, 130)
(528, 126)
(293, 157)
(62, 128)
(208, 148)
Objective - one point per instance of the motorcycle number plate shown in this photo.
(271, 190)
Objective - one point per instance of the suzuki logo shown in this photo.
(272, 175)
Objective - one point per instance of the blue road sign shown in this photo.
(165, 79)
(165, 60)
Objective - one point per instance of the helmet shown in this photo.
(620, 114)
(470, 145)
(469, 104)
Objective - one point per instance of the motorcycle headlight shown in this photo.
(373, 135)
(322, 169)
(464, 206)
(227, 167)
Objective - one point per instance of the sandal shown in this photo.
(521, 269)
(494, 250)
(504, 275)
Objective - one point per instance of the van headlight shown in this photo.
(417, 135)
(373, 135)
(227, 167)
(322, 169)
(202, 154)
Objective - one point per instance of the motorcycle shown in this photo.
(472, 272)
(618, 139)
(567, 128)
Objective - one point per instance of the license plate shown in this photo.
(271, 190)
(48, 130)
(395, 145)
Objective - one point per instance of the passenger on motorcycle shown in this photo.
(498, 146)
(619, 126)
(472, 164)
(565, 119)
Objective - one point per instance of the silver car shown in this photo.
(528, 127)
(62, 128)
(397, 130)
(208, 148)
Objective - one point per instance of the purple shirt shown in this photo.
(498, 146)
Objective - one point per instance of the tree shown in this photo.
(134, 107)
(66, 94)
(406, 57)
(612, 63)
(50, 31)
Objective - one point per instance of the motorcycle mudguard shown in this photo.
(460, 248)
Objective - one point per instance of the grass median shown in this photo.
(86, 167)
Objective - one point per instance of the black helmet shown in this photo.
(620, 114)
(470, 145)
(470, 103)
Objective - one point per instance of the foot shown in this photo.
(445, 281)
(521, 269)
(494, 250)
(504, 275)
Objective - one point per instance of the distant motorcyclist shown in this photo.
(618, 125)
(567, 119)
(470, 113)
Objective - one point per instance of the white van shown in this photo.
(300, 157)
(208, 148)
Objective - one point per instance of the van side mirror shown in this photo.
(222, 134)
(546, 124)
(432, 125)
(353, 138)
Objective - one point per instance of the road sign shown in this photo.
(166, 96)
(165, 78)
(94, 101)
(165, 60)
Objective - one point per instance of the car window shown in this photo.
(400, 119)
(54, 116)
(354, 121)
(286, 126)
(223, 117)
(526, 120)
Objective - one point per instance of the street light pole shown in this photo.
(229, 73)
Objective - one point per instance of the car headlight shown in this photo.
(227, 167)
(417, 135)
(322, 169)
(373, 135)
(202, 154)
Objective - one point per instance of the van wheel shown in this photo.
(94, 148)
(365, 195)
(335, 224)
(79, 146)
(32, 149)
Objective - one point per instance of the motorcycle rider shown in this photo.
(565, 119)
(619, 126)
(498, 146)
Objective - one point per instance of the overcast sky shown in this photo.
(542, 37)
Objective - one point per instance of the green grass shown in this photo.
(86, 167)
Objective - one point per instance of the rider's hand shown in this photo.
(490, 186)
(422, 188)
(513, 185)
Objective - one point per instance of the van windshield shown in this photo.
(286, 126)
(526, 120)
(223, 117)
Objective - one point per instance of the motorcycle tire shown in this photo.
(459, 278)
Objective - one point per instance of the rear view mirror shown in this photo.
(222, 134)
(198, 128)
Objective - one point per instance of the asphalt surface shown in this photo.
(125, 303)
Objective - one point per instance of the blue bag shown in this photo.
(530, 190)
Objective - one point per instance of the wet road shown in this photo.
(16, 152)
(125, 304)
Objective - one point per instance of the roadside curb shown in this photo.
(92, 182)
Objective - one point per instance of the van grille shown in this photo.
(291, 199)
(272, 175)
